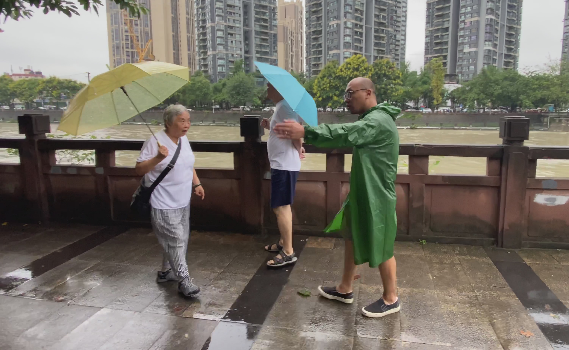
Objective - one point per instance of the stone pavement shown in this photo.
(87, 287)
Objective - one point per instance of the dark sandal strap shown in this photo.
(284, 258)
(279, 247)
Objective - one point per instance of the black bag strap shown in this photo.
(168, 168)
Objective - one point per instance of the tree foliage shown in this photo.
(327, 87)
(437, 72)
(18, 9)
(241, 89)
(387, 80)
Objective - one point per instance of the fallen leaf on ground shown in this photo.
(555, 316)
(304, 292)
(527, 334)
(357, 277)
(547, 307)
(4, 224)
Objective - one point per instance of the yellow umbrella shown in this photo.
(120, 94)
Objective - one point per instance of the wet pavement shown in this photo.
(88, 287)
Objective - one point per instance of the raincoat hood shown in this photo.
(389, 109)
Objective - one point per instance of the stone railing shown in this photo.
(508, 206)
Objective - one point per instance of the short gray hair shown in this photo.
(171, 112)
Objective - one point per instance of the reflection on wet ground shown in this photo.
(86, 287)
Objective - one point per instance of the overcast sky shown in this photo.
(70, 47)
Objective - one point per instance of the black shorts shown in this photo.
(283, 185)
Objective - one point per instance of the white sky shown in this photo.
(70, 47)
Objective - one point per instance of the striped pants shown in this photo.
(172, 228)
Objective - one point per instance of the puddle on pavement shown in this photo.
(232, 335)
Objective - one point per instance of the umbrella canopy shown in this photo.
(120, 94)
(292, 91)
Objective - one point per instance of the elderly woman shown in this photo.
(170, 200)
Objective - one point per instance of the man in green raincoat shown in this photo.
(367, 219)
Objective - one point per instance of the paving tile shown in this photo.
(185, 334)
(36, 246)
(140, 332)
(96, 331)
(292, 310)
(333, 317)
(440, 253)
(36, 287)
(82, 282)
(320, 242)
(274, 338)
(413, 271)
(17, 315)
(55, 327)
(540, 256)
(484, 276)
(561, 256)
(13, 261)
(556, 277)
(216, 298)
(508, 318)
(111, 288)
(450, 277)
(121, 249)
(408, 248)
(469, 324)
(361, 343)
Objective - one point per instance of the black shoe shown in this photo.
(332, 294)
(380, 309)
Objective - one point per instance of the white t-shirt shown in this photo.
(175, 190)
(282, 153)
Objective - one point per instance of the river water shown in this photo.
(438, 165)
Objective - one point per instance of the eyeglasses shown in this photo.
(348, 94)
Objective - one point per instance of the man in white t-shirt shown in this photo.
(284, 157)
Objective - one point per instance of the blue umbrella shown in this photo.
(292, 91)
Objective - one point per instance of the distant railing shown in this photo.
(507, 206)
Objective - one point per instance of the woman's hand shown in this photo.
(266, 123)
(162, 153)
(200, 191)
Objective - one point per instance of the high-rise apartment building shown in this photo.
(339, 29)
(472, 34)
(260, 32)
(565, 49)
(169, 24)
(220, 36)
(230, 30)
(290, 35)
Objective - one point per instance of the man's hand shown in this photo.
(289, 130)
(302, 153)
(200, 192)
(162, 153)
(266, 123)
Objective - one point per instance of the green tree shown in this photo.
(218, 92)
(6, 92)
(17, 9)
(56, 89)
(198, 91)
(327, 86)
(387, 80)
(437, 72)
(354, 67)
(240, 89)
(237, 67)
(309, 86)
(26, 90)
(300, 77)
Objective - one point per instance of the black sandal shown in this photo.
(283, 260)
(279, 248)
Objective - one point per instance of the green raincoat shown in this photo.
(368, 215)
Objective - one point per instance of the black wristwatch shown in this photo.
(196, 186)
